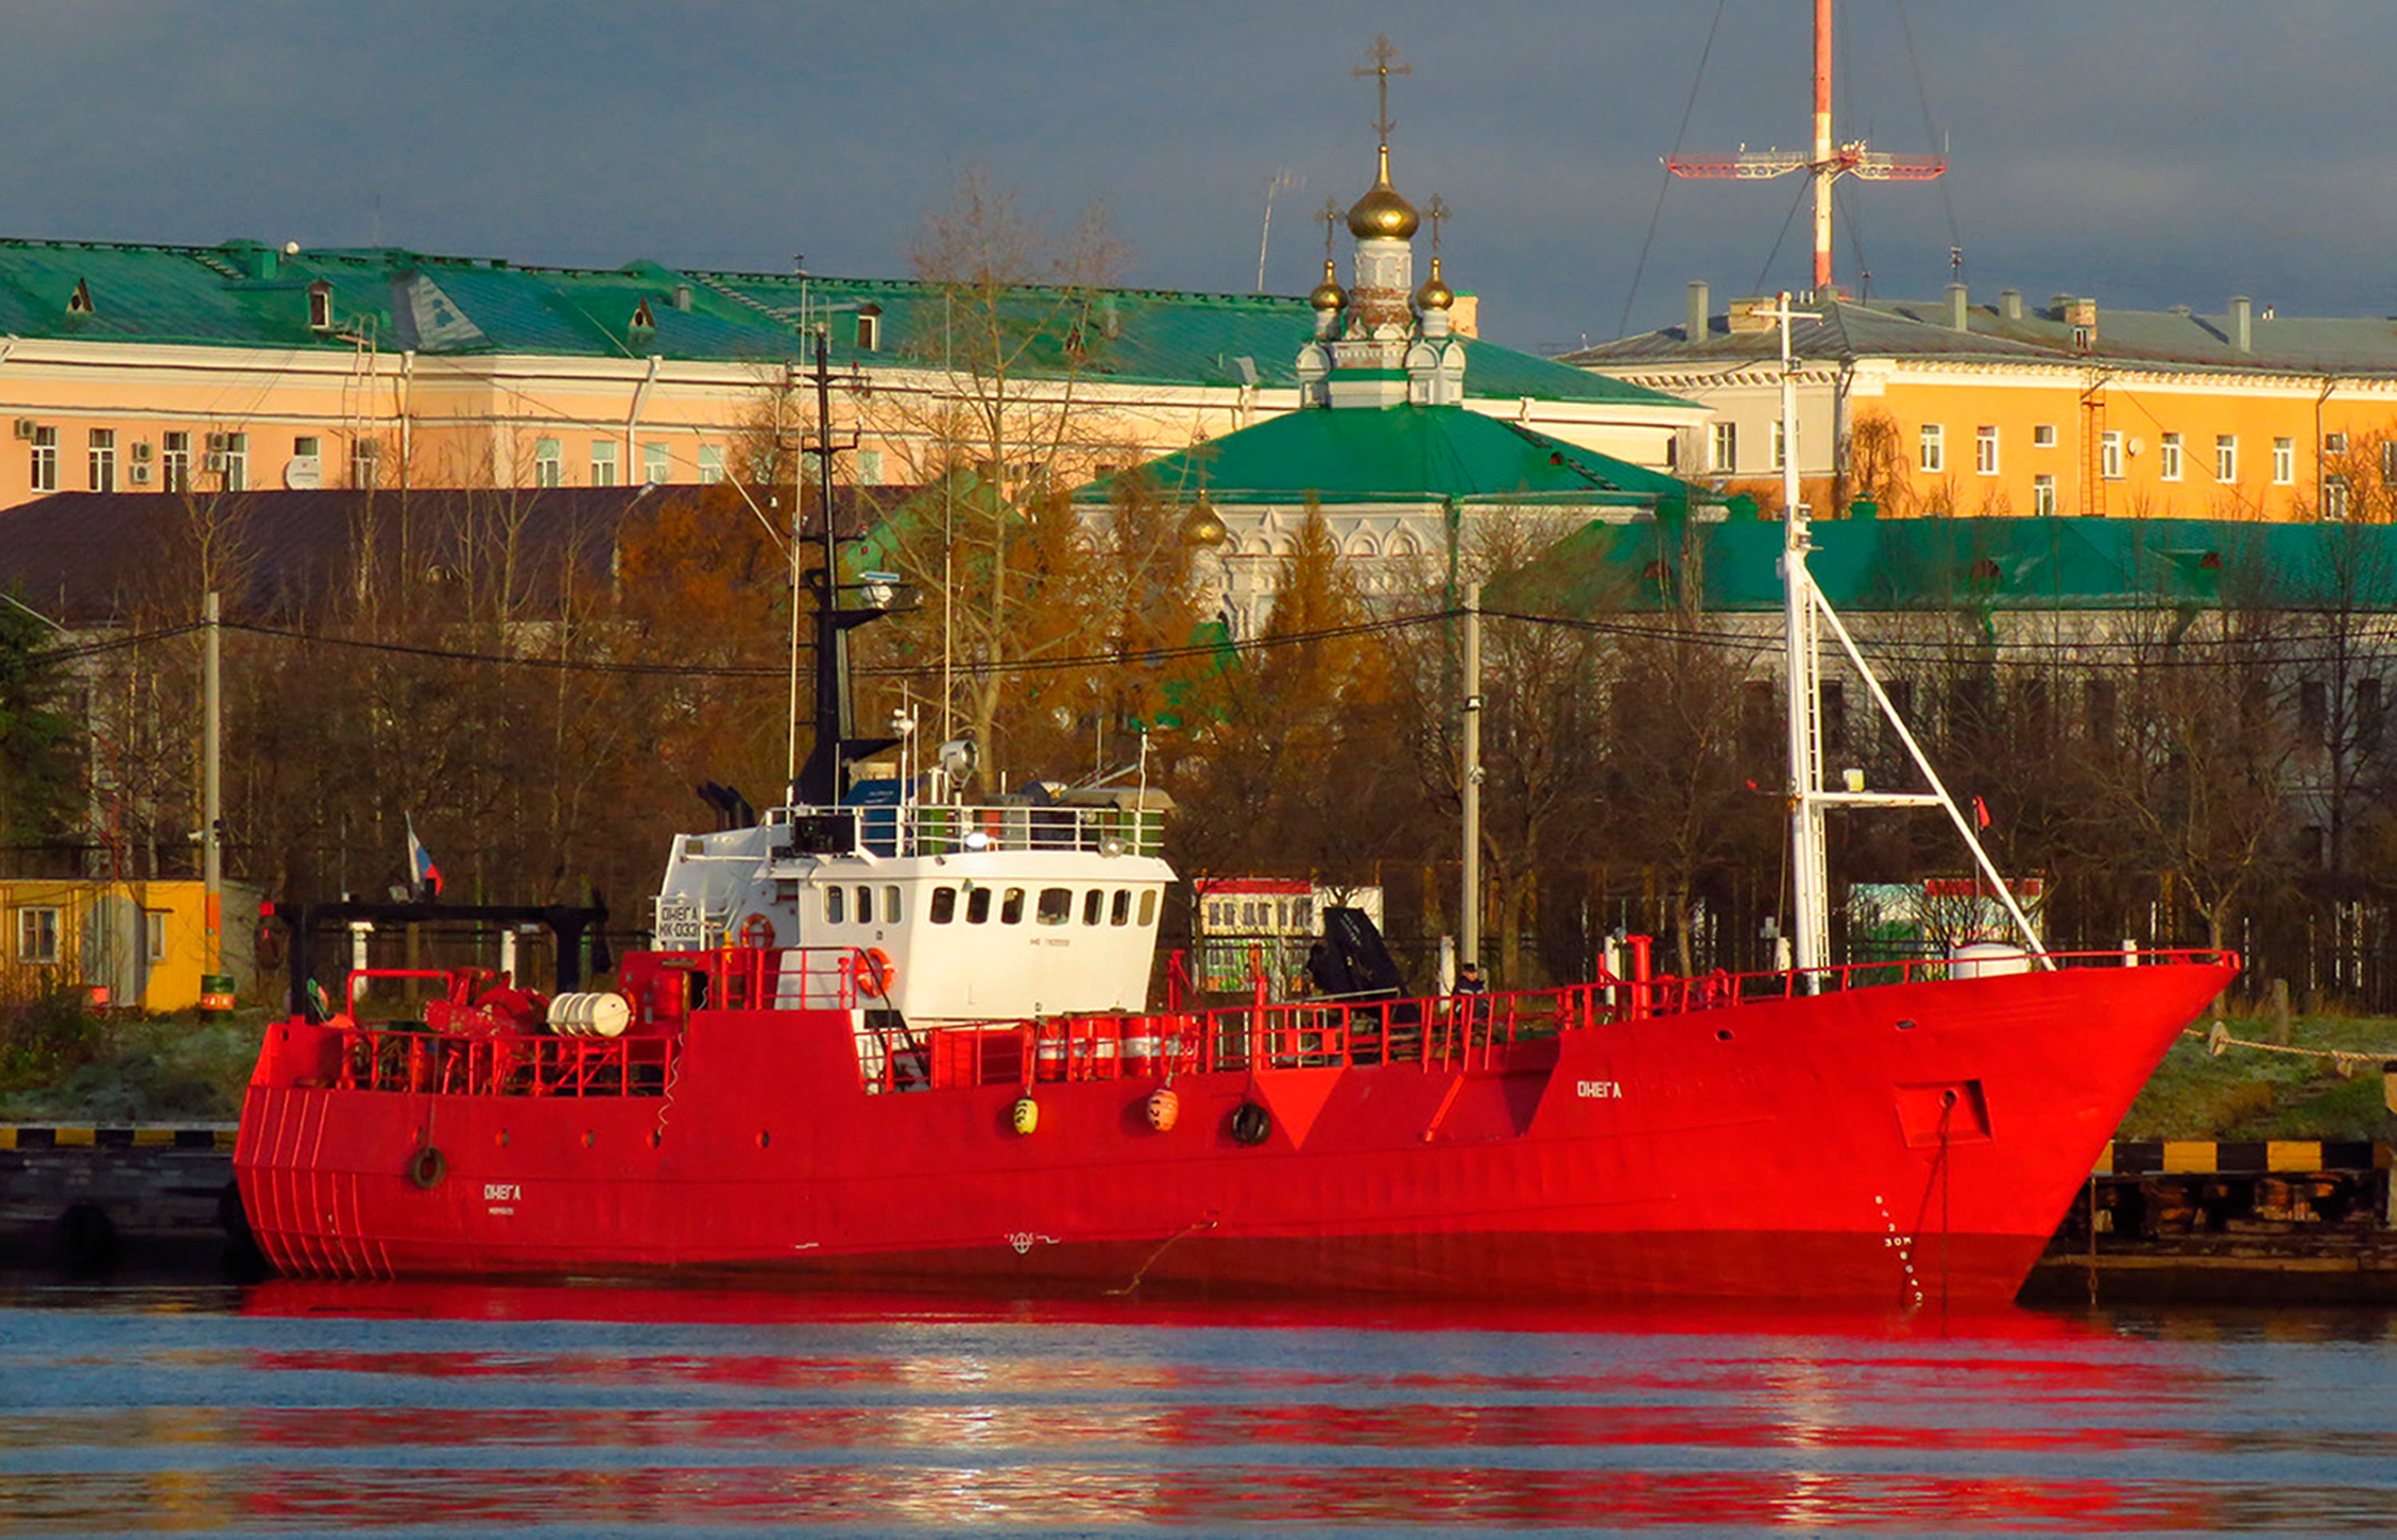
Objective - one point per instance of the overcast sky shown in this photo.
(2146, 152)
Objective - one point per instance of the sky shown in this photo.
(2146, 152)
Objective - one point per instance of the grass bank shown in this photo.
(62, 1062)
(2256, 1093)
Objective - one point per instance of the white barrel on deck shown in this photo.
(1986, 960)
(591, 1013)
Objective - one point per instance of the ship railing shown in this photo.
(1465, 1032)
(948, 829)
(1677, 995)
(407, 1056)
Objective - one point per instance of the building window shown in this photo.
(175, 461)
(2313, 712)
(869, 467)
(365, 464)
(2334, 496)
(2388, 461)
(869, 330)
(2109, 454)
(2043, 496)
(2285, 461)
(711, 464)
(2043, 436)
(45, 459)
(37, 935)
(153, 934)
(1726, 446)
(2226, 457)
(548, 464)
(1935, 449)
(1985, 451)
(308, 446)
(2168, 457)
(2334, 443)
(603, 462)
(657, 465)
(103, 459)
(320, 306)
(229, 458)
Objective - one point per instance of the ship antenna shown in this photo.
(1803, 611)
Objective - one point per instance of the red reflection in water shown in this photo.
(958, 1498)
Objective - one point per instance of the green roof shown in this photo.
(1996, 564)
(1398, 454)
(246, 293)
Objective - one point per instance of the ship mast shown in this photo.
(1804, 614)
(1829, 161)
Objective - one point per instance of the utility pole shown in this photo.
(211, 802)
(1470, 899)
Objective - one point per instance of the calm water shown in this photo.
(441, 1411)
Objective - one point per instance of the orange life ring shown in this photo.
(756, 931)
(875, 974)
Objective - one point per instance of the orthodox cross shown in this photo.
(1382, 56)
(1328, 217)
(1435, 213)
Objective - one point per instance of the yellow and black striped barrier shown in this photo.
(2239, 1157)
(117, 1135)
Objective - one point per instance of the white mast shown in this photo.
(1803, 611)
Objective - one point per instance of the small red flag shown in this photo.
(1980, 812)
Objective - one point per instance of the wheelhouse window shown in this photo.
(836, 904)
(1120, 913)
(1010, 909)
(1056, 907)
(864, 905)
(1094, 904)
(945, 905)
(1148, 906)
(978, 907)
(891, 905)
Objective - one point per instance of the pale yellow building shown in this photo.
(225, 368)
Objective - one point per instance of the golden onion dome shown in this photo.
(1381, 212)
(1435, 293)
(1327, 295)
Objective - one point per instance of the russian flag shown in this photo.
(419, 862)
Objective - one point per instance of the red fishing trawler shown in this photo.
(907, 1039)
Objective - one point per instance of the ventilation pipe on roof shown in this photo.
(1696, 319)
(682, 297)
(1959, 316)
(2010, 304)
(2243, 331)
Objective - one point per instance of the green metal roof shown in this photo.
(1998, 564)
(245, 294)
(1398, 454)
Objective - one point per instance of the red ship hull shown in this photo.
(1894, 1144)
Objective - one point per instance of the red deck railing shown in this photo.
(1442, 1032)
